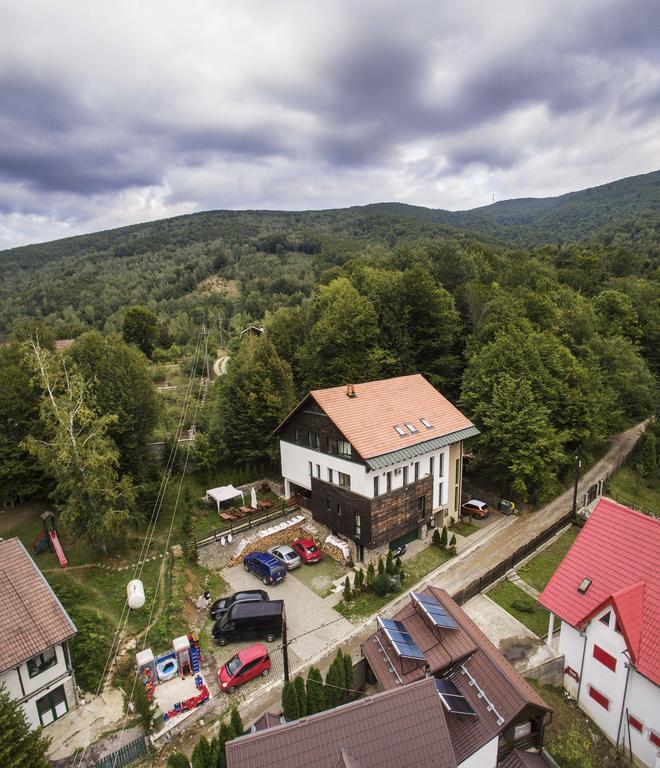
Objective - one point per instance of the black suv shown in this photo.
(221, 606)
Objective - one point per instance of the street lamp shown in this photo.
(578, 464)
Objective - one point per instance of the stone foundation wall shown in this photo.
(549, 673)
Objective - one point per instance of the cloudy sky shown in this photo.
(114, 113)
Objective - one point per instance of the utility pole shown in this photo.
(285, 650)
(578, 464)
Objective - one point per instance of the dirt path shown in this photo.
(220, 366)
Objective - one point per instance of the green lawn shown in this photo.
(319, 577)
(521, 606)
(627, 487)
(463, 528)
(415, 569)
(572, 739)
(538, 571)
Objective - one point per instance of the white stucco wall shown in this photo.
(37, 686)
(642, 698)
(486, 757)
(295, 461)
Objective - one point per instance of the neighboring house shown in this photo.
(253, 330)
(606, 592)
(35, 664)
(489, 710)
(62, 344)
(379, 461)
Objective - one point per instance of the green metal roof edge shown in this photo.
(410, 451)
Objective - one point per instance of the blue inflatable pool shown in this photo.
(166, 669)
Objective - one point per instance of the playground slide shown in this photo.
(57, 547)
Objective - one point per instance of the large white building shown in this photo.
(35, 665)
(607, 594)
(378, 461)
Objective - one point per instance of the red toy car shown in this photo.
(245, 665)
(307, 549)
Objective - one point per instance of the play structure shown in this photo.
(48, 538)
(181, 661)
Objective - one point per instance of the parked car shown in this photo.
(245, 665)
(250, 621)
(307, 550)
(222, 605)
(475, 508)
(286, 556)
(264, 566)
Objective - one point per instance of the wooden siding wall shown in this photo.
(350, 504)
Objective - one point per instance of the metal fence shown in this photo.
(209, 537)
(498, 572)
(125, 755)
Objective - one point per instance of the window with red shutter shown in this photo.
(599, 697)
(635, 723)
(605, 658)
(572, 673)
(654, 738)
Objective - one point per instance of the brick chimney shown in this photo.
(350, 391)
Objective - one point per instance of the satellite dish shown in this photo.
(229, 538)
(223, 541)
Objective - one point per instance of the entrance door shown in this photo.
(52, 705)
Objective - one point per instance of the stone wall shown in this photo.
(549, 673)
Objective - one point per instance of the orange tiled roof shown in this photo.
(368, 419)
(31, 617)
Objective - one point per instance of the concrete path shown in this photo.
(220, 366)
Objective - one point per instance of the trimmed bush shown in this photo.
(443, 536)
(436, 537)
(348, 594)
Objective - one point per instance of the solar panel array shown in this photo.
(401, 639)
(435, 611)
(452, 698)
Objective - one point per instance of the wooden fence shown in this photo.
(245, 524)
(125, 755)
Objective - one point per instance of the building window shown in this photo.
(311, 468)
(439, 494)
(572, 673)
(421, 505)
(389, 481)
(605, 658)
(318, 470)
(605, 619)
(344, 479)
(375, 486)
(329, 475)
(654, 738)
(38, 664)
(416, 470)
(358, 525)
(405, 476)
(315, 440)
(441, 465)
(426, 423)
(599, 697)
(635, 723)
(343, 448)
(297, 434)
(52, 705)
(339, 510)
(456, 499)
(327, 505)
(411, 427)
(400, 431)
(431, 465)
(617, 628)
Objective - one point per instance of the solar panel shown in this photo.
(401, 639)
(452, 698)
(435, 611)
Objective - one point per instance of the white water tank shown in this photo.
(135, 594)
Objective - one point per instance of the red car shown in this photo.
(245, 665)
(307, 550)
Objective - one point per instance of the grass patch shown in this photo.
(629, 488)
(571, 737)
(415, 568)
(521, 606)
(319, 576)
(464, 528)
(538, 571)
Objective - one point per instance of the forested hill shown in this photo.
(530, 222)
(86, 281)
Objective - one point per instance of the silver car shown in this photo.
(286, 556)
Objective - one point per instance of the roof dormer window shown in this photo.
(584, 586)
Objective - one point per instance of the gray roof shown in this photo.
(387, 459)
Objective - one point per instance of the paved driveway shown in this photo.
(312, 624)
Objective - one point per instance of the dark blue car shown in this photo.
(266, 567)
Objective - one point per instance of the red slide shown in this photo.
(58, 548)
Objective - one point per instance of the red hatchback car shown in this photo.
(307, 549)
(245, 665)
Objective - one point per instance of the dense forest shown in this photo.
(540, 318)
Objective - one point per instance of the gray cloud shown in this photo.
(146, 112)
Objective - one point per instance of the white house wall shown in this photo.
(642, 697)
(296, 459)
(486, 757)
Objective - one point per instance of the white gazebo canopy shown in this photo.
(224, 493)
